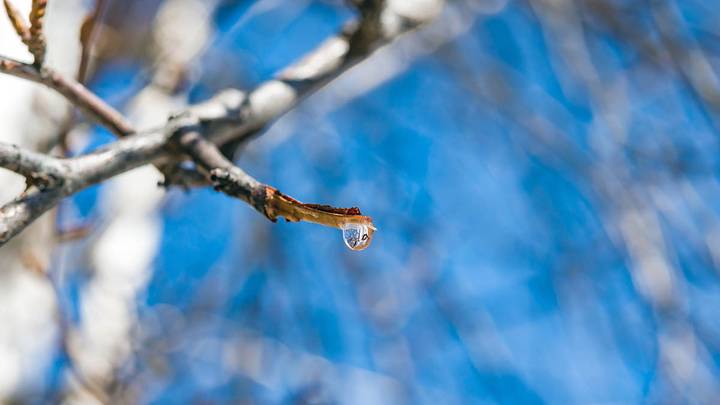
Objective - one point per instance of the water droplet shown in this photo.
(357, 236)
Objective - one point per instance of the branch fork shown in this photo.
(198, 136)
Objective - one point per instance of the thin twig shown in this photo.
(231, 116)
(266, 199)
(79, 95)
(78, 173)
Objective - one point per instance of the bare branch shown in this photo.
(230, 116)
(92, 105)
(73, 175)
(30, 164)
(267, 200)
(236, 116)
(207, 156)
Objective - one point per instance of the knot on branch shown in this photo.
(227, 182)
(365, 35)
(174, 174)
(222, 181)
(43, 181)
(181, 123)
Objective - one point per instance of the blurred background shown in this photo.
(543, 174)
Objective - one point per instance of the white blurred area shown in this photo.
(123, 255)
(28, 327)
(15, 103)
(122, 251)
(29, 333)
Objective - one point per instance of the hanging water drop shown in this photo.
(357, 236)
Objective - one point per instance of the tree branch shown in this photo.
(77, 94)
(72, 175)
(32, 165)
(267, 200)
(234, 116)
(231, 116)
(18, 22)
(215, 165)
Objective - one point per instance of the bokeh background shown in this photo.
(543, 174)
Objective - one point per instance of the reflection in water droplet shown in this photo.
(357, 236)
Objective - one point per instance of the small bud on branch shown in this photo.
(18, 22)
(37, 38)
